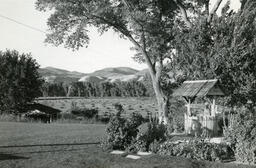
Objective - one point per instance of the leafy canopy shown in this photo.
(223, 49)
(19, 81)
(147, 23)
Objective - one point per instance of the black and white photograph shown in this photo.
(127, 83)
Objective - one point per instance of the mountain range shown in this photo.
(51, 74)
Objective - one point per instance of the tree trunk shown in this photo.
(162, 101)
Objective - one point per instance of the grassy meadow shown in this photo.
(130, 105)
(35, 145)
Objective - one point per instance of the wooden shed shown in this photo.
(42, 112)
(201, 116)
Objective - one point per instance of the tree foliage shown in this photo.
(160, 30)
(223, 49)
(19, 81)
(102, 89)
(146, 23)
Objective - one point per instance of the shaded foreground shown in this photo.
(74, 145)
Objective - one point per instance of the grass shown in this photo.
(130, 104)
(33, 145)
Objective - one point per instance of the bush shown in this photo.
(196, 149)
(176, 115)
(121, 132)
(105, 118)
(150, 135)
(119, 108)
(241, 133)
(85, 112)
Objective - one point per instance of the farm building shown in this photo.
(42, 112)
(205, 115)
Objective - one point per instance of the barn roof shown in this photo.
(199, 88)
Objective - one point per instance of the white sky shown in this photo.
(107, 50)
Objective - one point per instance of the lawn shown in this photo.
(33, 145)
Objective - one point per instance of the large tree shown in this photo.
(19, 81)
(225, 49)
(148, 24)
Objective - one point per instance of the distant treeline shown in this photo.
(102, 89)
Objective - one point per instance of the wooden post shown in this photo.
(213, 108)
(188, 107)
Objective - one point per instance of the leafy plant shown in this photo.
(119, 108)
(121, 131)
(149, 137)
(196, 149)
(85, 112)
(241, 133)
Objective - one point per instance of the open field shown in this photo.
(32, 145)
(130, 105)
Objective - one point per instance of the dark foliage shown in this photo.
(19, 81)
(85, 112)
(241, 133)
(197, 149)
(91, 89)
(224, 49)
(149, 137)
(121, 131)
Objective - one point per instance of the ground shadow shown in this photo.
(38, 145)
(52, 150)
(10, 157)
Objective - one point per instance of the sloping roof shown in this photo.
(199, 88)
(43, 108)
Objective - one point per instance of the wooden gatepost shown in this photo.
(201, 116)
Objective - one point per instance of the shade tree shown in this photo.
(147, 24)
(20, 82)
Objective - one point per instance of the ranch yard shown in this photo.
(35, 145)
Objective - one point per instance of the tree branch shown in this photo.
(213, 11)
(145, 54)
(183, 13)
(143, 47)
(207, 10)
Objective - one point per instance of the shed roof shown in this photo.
(43, 108)
(199, 88)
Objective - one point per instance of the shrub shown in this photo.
(85, 112)
(136, 119)
(241, 133)
(196, 149)
(176, 115)
(150, 135)
(105, 118)
(121, 132)
(119, 108)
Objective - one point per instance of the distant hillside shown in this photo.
(120, 71)
(51, 74)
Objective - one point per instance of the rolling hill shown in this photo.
(51, 75)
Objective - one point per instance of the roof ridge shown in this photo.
(198, 81)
